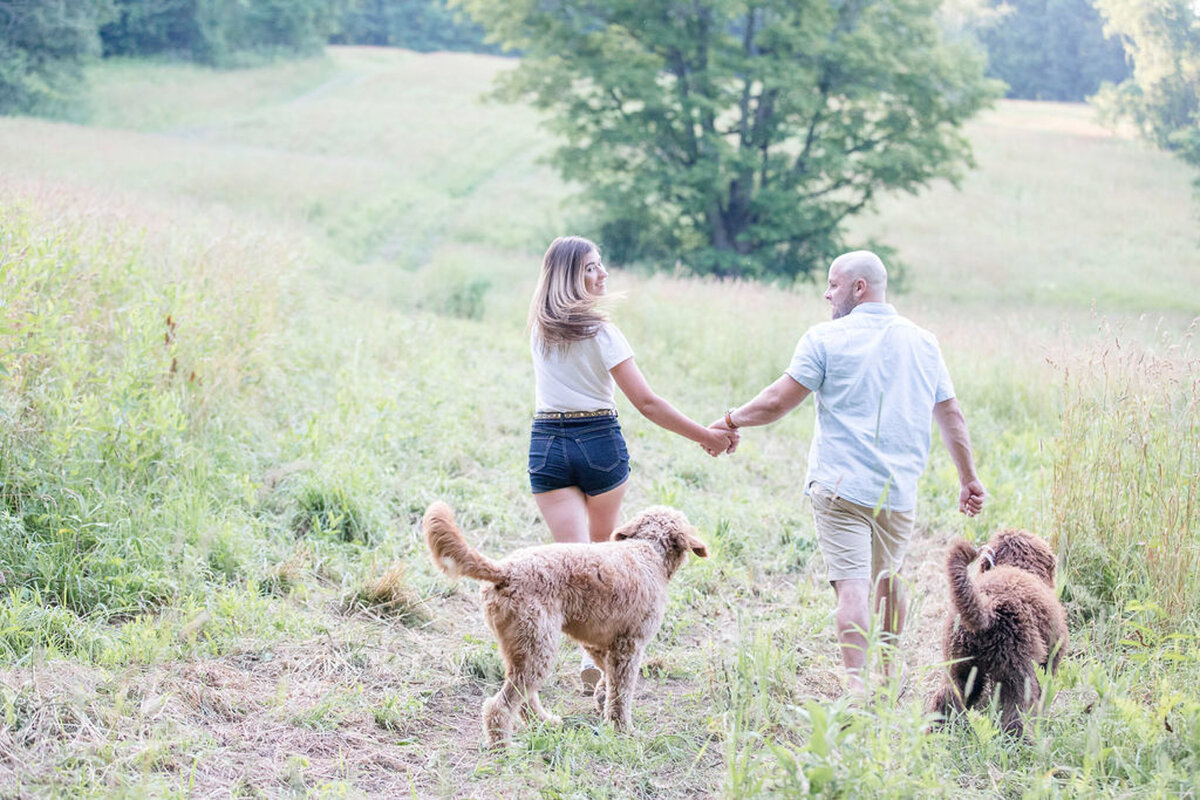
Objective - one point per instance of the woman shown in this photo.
(578, 463)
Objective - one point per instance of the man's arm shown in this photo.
(772, 403)
(953, 426)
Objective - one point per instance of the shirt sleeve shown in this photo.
(945, 388)
(613, 347)
(808, 363)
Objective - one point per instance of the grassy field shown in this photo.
(253, 322)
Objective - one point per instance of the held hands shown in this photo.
(725, 439)
(970, 498)
(720, 441)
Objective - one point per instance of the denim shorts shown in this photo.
(589, 453)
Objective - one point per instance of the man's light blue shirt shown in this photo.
(875, 377)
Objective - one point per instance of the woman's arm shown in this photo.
(656, 409)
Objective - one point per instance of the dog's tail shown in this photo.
(973, 611)
(450, 550)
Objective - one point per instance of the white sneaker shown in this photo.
(589, 674)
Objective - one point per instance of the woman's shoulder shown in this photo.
(608, 331)
(614, 347)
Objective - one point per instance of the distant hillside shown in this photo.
(386, 155)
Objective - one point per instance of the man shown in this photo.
(877, 379)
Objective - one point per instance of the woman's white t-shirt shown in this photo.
(575, 376)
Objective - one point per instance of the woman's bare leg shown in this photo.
(566, 513)
(603, 511)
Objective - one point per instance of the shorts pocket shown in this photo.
(539, 451)
(603, 451)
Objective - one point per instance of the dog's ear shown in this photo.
(694, 544)
(626, 531)
(987, 558)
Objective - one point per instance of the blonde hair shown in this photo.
(562, 310)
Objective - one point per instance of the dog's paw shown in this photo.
(495, 743)
(621, 725)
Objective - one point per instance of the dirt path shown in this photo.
(929, 606)
(385, 708)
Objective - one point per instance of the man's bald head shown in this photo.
(855, 277)
(863, 264)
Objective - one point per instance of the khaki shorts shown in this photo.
(857, 542)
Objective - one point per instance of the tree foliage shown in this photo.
(43, 47)
(738, 135)
(1162, 96)
(220, 32)
(45, 43)
(422, 25)
(1052, 50)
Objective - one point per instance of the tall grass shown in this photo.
(1127, 461)
(1114, 727)
(121, 350)
(245, 348)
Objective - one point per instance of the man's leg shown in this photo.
(844, 534)
(890, 540)
(891, 603)
(853, 622)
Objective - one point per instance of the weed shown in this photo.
(389, 595)
(288, 574)
(330, 513)
(397, 712)
(480, 662)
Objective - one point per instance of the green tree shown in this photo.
(1052, 50)
(1162, 96)
(43, 47)
(422, 25)
(220, 32)
(151, 27)
(738, 135)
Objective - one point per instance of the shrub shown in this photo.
(43, 47)
(219, 32)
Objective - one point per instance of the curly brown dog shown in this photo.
(1008, 621)
(610, 597)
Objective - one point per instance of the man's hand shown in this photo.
(970, 498)
(731, 435)
(720, 441)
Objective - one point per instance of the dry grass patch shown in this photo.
(289, 573)
(388, 595)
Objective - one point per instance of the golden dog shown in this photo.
(609, 597)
